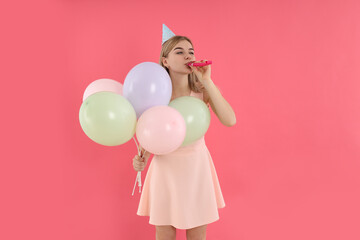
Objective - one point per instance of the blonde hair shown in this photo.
(166, 49)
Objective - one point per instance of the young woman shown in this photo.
(181, 189)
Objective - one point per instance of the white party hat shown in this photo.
(166, 33)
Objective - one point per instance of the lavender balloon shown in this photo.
(147, 85)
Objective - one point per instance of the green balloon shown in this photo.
(107, 118)
(196, 115)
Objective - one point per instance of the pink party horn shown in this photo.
(199, 64)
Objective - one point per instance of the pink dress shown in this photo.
(182, 188)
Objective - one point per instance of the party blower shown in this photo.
(199, 64)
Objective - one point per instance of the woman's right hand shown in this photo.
(139, 163)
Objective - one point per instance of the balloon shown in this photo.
(161, 130)
(147, 85)
(107, 118)
(196, 115)
(103, 84)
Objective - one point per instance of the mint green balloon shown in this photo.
(196, 115)
(107, 118)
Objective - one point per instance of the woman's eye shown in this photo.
(182, 52)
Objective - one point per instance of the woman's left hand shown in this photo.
(202, 73)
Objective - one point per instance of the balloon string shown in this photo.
(137, 146)
(138, 179)
(138, 176)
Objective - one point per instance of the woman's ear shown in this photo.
(164, 61)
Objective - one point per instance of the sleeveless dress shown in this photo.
(182, 188)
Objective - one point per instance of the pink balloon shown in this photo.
(161, 129)
(103, 84)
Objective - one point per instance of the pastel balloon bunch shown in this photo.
(111, 113)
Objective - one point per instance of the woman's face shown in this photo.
(181, 54)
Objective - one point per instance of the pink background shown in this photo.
(289, 168)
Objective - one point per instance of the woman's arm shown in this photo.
(219, 105)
